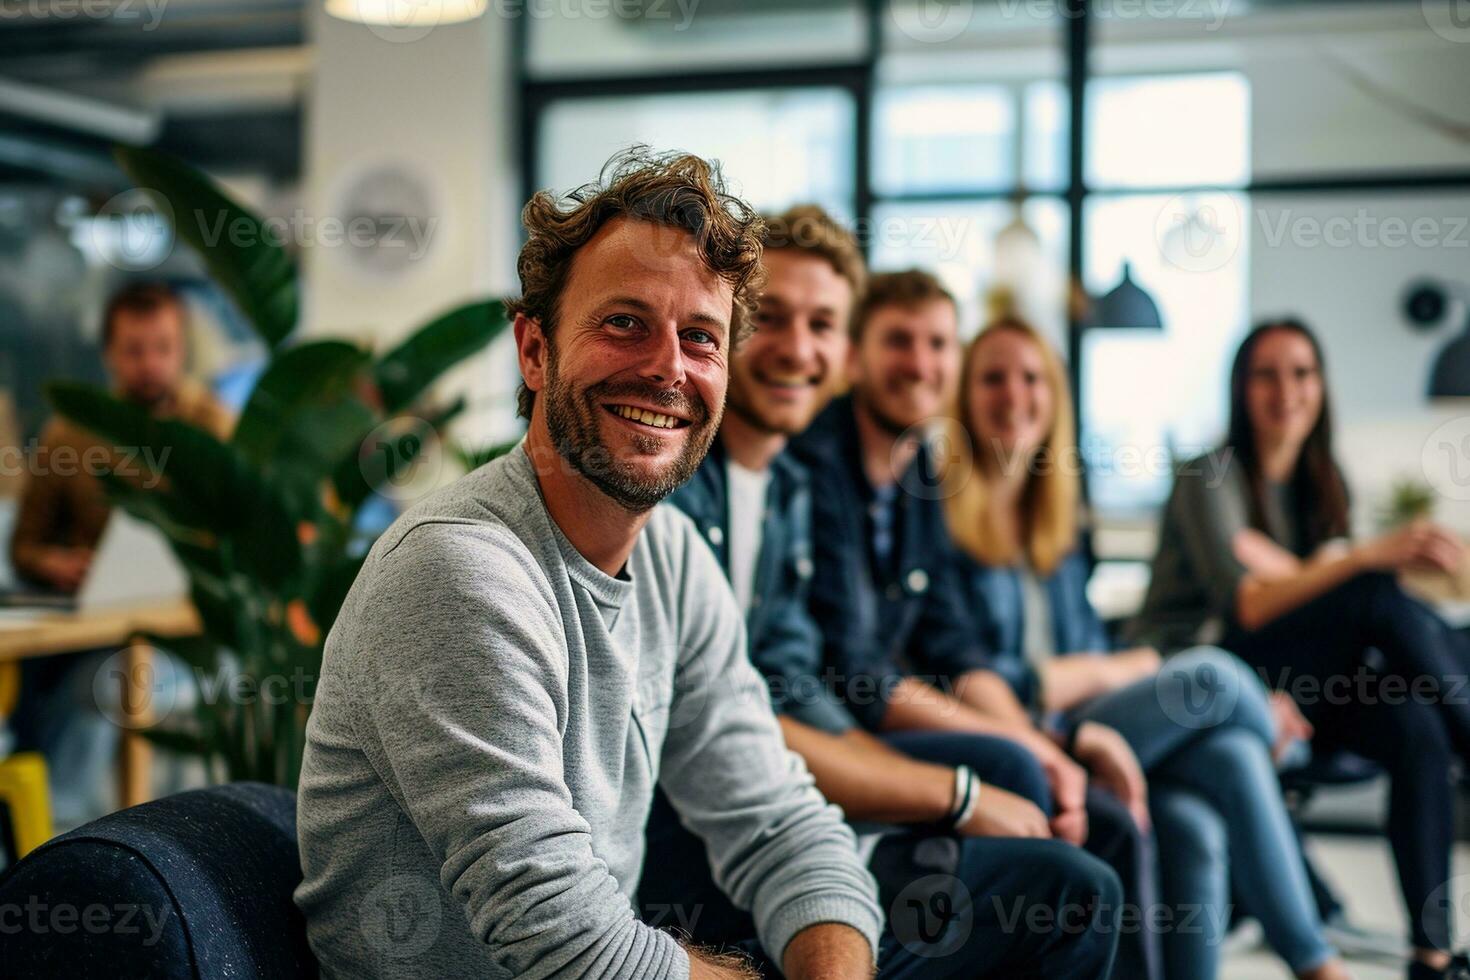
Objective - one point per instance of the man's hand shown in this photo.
(1068, 783)
(65, 568)
(1110, 758)
(828, 951)
(707, 965)
(1002, 813)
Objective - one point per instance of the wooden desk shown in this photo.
(51, 634)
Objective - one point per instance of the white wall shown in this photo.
(439, 106)
(1384, 100)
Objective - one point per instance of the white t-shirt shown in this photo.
(747, 492)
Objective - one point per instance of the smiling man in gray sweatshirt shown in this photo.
(529, 651)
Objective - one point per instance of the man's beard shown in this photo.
(739, 401)
(573, 420)
(149, 397)
(883, 420)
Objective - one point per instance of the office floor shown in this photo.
(1362, 870)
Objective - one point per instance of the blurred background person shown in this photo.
(751, 502)
(883, 592)
(62, 512)
(1216, 806)
(1259, 555)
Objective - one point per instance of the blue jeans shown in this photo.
(1202, 730)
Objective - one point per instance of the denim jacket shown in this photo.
(994, 594)
(880, 624)
(782, 640)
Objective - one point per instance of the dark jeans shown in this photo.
(1403, 706)
(956, 907)
(1112, 835)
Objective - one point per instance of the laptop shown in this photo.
(133, 565)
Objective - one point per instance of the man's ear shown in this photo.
(531, 351)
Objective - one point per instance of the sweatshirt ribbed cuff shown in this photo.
(842, 909)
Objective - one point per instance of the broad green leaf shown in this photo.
(308, 376)
(244, 256)
(407, 370)
(215, 478)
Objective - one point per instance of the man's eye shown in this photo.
(821, 326)
(699, 336)
(622, 321)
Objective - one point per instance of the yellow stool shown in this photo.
(23, 788)
(23, 791)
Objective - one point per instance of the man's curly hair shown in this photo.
(677, 190)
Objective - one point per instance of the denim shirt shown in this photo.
(880, 624)
(783, 641)
(994, 594)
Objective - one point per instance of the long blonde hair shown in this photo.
(1050, 498)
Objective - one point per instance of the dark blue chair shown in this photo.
(195, 886)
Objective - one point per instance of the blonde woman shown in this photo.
(1202, 727)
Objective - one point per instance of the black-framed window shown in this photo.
(943, 158)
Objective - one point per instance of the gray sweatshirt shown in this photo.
(492, 716)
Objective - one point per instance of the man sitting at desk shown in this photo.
(62, 512)
(64, 506)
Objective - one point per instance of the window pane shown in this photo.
(1169, 131)
(943, 138)
(1148, 396)
(777, 147)
(957, 242)
(1045, 134)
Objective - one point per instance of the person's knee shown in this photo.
(1063, 884)
(1237, 760)
(1088, 894)
(1207, 687)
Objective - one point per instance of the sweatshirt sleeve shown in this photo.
(776, 847)
(462, 680)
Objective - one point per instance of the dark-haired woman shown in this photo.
(1254, 555)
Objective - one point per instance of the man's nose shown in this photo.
(799, 348)
(662, 356)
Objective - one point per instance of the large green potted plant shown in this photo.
(265, 523)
